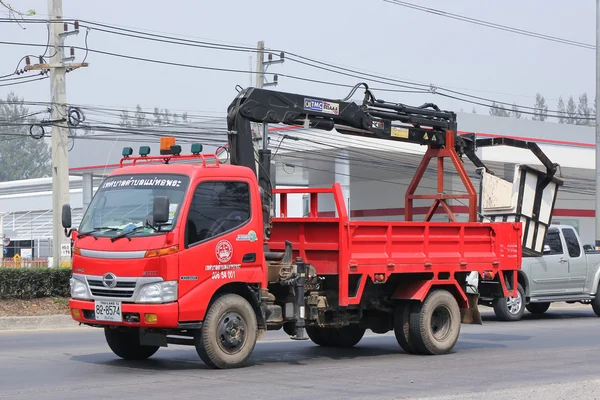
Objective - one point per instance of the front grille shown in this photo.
(124, 289)
(120, 284)
(124, 294)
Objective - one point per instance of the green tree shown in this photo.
(540, 112)
(571, 111)
(561, 111)
(142, 119)
(584, 111)
(15, 14)
(21, 155)
(140, 116)
(515, 113)
(498, 110)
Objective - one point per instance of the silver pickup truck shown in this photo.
(567, 271)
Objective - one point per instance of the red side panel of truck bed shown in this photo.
(339, 246)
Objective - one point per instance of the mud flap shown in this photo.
(471, 315)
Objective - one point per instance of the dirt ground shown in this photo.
(34, 307)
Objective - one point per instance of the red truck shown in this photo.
(184, 249)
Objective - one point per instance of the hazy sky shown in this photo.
(370, 35)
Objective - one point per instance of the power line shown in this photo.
(488, 24)
(416, 87)
(21, 82)
(219, 69)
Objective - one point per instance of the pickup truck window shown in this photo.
(217, 207)
(572, 242)
(553, 240)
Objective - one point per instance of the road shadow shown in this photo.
(550, 315)
(182, 358)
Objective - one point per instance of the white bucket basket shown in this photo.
(529, 199)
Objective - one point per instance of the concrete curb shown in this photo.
(49, 322)
(62, 322)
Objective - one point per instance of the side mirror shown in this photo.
(66, 216)
(160, 210)
(547, 249)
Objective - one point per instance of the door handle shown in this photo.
(562, 261)
(249, 257)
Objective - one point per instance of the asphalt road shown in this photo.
(552, 357)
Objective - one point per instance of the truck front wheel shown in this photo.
(435, 323)
(347, 336)
(126, 344)
(228, 334)
(510, 308)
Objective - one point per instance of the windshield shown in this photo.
(124, 204)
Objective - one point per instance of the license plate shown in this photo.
(108, 311)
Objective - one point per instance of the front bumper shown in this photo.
(134, 315)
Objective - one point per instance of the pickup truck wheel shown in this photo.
(435, 323)
(345, 337)
(402, 327)
(537, 308)
(596, 304)
(126, 344)
(510, 308)
(228, 334)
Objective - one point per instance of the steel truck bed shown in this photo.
(431, 251)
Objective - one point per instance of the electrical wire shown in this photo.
(488, 24)
(21, 82)
(414, 86)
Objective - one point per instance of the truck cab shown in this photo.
(566, 272)
(158, 241)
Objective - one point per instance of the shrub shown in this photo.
(27, 283)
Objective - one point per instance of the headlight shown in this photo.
(159, 292)
(79, 289)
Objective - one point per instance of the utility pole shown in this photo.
(261, 81)
(264, 154)
(61, 245)
(260, 77)
(60, 150)
(597, 213)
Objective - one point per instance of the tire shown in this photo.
(345, 337)
(289, 328)
(228, 334)
(596, 304)
(126, 344)
(402, 327)
(537, 308)
(510, 309)
(435, 324)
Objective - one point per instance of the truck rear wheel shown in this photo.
(345, 337)
(402, 327)
(435, 323)
(537, 308)
(510, 308)
(126, 344)
(228, 334)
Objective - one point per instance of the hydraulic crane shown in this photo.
(426, 125)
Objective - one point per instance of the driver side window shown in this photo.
(217, 208)
(553, 241)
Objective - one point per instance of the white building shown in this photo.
(374, 174)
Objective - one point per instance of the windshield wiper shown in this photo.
(126, 234)
(100, 228)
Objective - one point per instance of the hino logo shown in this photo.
(109, 280)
